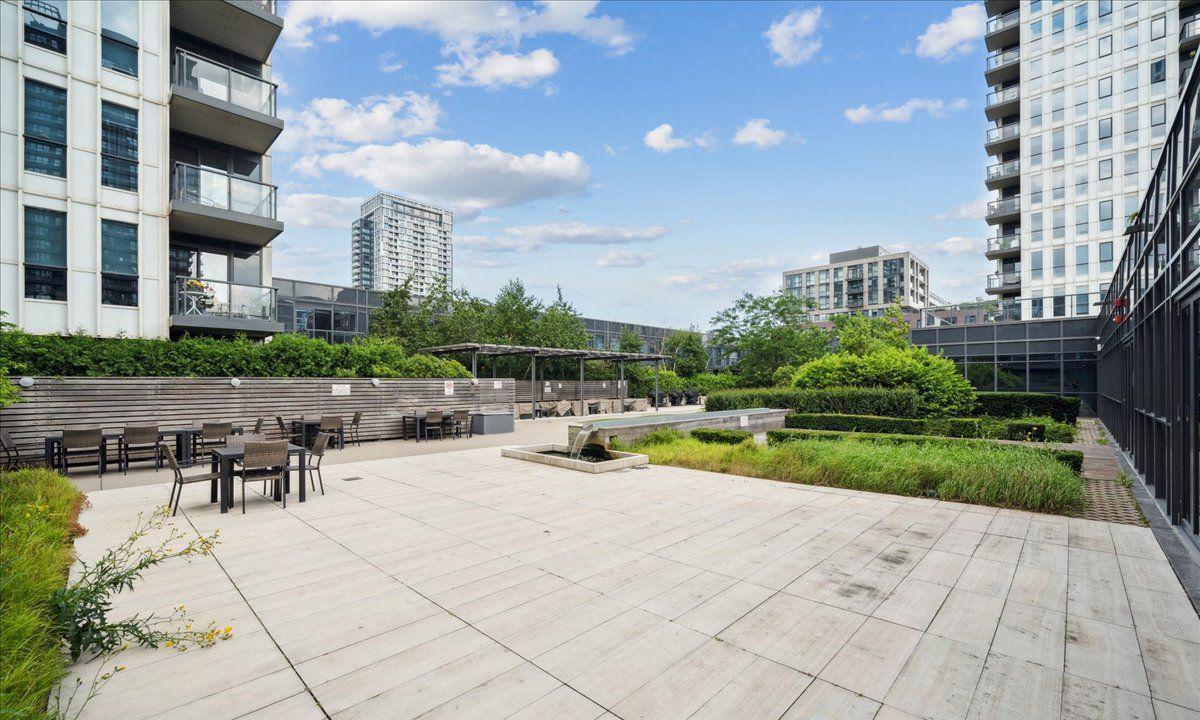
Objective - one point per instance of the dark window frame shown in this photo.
(111, 157)
(115, 287)
(56, 142)
(45, 274)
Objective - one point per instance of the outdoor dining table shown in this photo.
(418, 421)
(301, 427)
(183, 441)
(223, 459)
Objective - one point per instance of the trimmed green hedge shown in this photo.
(289, 355)
(1024, 404)
(1034, 429)
(722, 437)
(888, 402)
(942, 391)
(1071, 458)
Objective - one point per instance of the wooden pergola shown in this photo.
(475, 350)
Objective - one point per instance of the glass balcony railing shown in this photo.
(201, 297)
(1004, 132)
(1004, 169)
(1000, 59)
(1006, 206)
(216, 189)
(1005, 21)
(1003, 279)
(1001, 243)
(1189, 28)
(1003, 96)
(223, 82)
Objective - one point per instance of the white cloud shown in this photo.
(662, 139)
(318, 210)
(794, 39)
(578, 233)
(955, 36)
(333, 123)
(390, 62)
(934, 107)
(468, 178)
(750, 274)
(496, 69)
(973, 210)
(487, 244)
(959, 245)
(758, 133)
(322, 260)
(486, 219)
(625, 258)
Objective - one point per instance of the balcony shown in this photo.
(1000, 103)
(1189, 33)
(215, 101)
(1003, 30)
(1003, 138)
(1003, 246)
(1003, 174)
(1004, 210)
(1004, 282)
(215, 306)
(999, 7)
(1002, 66)
(248, 27)
(214, 204)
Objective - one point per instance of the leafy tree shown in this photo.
(687, 349)
(630, 341)
(514, 315)
(766, 332)
(404, 319)
(560, 326)
(861, 335)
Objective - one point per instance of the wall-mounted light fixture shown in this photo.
(26, 382)
(235, 382)
(375, 382)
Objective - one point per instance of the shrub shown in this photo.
(941, 389)
(288, 355)
(37, 521)
(722, 437)
(856, 423)
(1024, 404)
(895, 402)
(957, 470)
(954, 427)
(1071, 458)
(709, 383)
(1022, 430)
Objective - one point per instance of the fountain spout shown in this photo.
(579, 441)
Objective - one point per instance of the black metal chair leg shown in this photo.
(243, 497)
(320, 478)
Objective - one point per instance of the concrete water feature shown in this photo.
(564, 457)
(755, 420)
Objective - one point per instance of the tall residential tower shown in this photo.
(1080, 94)
(135, 193)
(395, 239)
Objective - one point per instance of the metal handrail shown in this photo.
(1004, 205)
(1003, 96)
(1000, 59)
(212, 188)
(1003, 242)
(1003, 279)
(1004, 132)
(1004, 169)
(223, 82)
(1003, 22)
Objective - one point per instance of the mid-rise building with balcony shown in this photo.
(135, 194)
(864, 280)
(1078, 99)
(396, 240)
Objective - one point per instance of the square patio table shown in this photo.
(303, 424)
(418, 421)
(183, 444)
(223, 459)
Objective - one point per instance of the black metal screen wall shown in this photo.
(1050, 356)
(1149, 329)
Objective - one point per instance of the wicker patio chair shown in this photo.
(258, 426)
(435, 422)
(211, 435)
(461, 420)
(13, 458)
(333, 424)
(354, 427)
(139, 442)
(263, 461)
(180, 479)
(295, 438)
(86, 445)
(317, 451)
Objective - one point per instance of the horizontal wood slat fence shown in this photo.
(569, 390)
(111, 403)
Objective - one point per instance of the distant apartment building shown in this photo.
(1079, 98)
(865, 280)
(135, 194)
(396, 239)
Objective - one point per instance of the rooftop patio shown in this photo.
(464, 585)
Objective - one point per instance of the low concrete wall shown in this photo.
(107, 402)
(757, 420)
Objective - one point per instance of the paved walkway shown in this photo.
(464, 585)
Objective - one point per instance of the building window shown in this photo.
(1158, 75)
(1035, 151)
(1081, 300)
(1158, 121)
(1158, 28)
(1105, 131)
(119, 36)
(1035, 308)
(1058, 102)
(45, 254)
(1035, 228)
(1060, 301)
(1131, 167)
(1106, 257)
(1105, 46)
(1106, 210)
(118, 263)
(1058, 185)
(1081, 259)
(1129, 86)
(1035, 266)
(1081, 179)
(1059, 222)
(45, 24)
(45, 129)
(1131, 127)
(1081, 221)
(118, 147)
(1105, 8)
(1105, 169)
(1081, 14)
(1057, 23)
(1081, 101)
(1035, 189)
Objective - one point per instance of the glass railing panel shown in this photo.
(218, 298)
(1003, 169)
(1003, 22)
(1001, 59)
(216, 189)
(223, 82)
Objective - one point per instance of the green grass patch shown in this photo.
(726, 437)
(38, 509)
(966, 471)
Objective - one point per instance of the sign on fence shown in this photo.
(340, 390)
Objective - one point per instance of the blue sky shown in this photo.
(654, 159)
